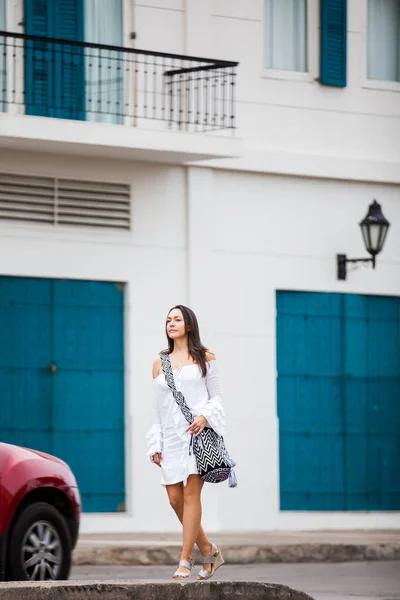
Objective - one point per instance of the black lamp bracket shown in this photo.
(342, 262)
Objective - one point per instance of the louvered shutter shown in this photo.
(334, 42)
(54, 73)
(94, 204)
(65, 201)
(69, 75)
(25, 198)
(38, 58)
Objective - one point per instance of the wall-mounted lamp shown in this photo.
(374, 228)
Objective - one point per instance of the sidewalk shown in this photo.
(147, 590)
(242, 548)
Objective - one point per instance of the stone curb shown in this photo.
(227, 590)
(152, 554)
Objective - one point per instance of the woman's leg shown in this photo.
(192, 529)
(187, 500)
(175, 496)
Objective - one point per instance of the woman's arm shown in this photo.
(154, 435)
(214, 410)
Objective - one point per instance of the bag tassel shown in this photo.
(229, 461)
(232, 478)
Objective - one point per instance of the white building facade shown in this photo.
(148, 191)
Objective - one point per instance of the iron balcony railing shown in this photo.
(74, 80)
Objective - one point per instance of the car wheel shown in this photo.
(39, 545)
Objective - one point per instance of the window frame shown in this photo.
(311, 74)
(14, 23)
(15, 18)
(373, 84)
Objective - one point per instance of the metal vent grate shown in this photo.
(65, 201)
(25, 198)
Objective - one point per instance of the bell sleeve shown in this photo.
(154, 435)
(214, 410)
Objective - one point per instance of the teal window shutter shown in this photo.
(69, 20)
(39, 78)
(69, 61)
(54, 73)
(334, 42)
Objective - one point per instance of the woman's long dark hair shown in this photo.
(196, 349)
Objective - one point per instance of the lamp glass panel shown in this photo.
(374, 235)
(365, 235)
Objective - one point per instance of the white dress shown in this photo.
(167, 433)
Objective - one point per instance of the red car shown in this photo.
(39, 515)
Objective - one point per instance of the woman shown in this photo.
(196, 375)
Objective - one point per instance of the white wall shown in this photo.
(291, 126)
(144, 259)
(287, 117)
(160, 25)
(222, 242)
(230, 236)
(259, 234)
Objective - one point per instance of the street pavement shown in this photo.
(323, 581)
(129, 548)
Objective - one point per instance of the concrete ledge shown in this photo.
(66, 136)
(227, 590)
(154, 554)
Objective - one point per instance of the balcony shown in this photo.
(74, 97)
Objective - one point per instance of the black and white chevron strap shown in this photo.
(178, 396)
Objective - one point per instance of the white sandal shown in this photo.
(214, 559)
(188, 565)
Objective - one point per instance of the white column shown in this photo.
(201, 243)
(197, 26)
(201, 237)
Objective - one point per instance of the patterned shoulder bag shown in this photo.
(213, 461)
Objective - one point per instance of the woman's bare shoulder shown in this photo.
(156, 367)
(210, 356)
